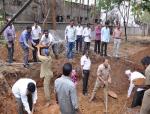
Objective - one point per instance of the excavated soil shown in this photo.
(9, 74)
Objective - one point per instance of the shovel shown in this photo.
(106, 98)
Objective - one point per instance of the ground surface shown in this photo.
(131, 53)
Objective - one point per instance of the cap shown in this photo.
(127, 72)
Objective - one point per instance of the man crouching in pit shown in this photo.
(25, 92)
(46, 73)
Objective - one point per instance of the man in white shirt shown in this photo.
(25, 92)
(105, 38)
(79, 32)
(138, 96)
(46, 40)
(87, 37)
(70, 34)
(85, 66)
(36, 35)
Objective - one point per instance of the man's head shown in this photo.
(46, 33)
(88, 25)
(106, 63)
(36, 24)
(145, 61)
(86, 53)
(128, 73)
(71, 22)
(67, 69)
(29, 29)
(31, 88)
(107, 23)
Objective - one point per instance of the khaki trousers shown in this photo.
(145, 109)
(47, 90)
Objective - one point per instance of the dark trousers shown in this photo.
(20, 106)
(34, 52)
(79, 43)
(85, 80)
(25, 53)
(137, 98)
(86, 46)
(104, 48)
(55, 50)
(97, 46)
(10, 48)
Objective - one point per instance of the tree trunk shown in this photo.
(88, 10)
(80, 11)
(53, 12)
(71, 9)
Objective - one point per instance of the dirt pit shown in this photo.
(9, 74)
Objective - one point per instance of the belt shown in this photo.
(117, 38)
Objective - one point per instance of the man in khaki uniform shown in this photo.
(46, 72)
(145, 109)
(103, 78)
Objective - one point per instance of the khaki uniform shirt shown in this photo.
(46, 65)
(147, 75)
(103, 72)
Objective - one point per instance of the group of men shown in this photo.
(65, 89)
(32, 34)
(79, 35)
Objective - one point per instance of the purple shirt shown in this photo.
(97, 33)
(9, 33)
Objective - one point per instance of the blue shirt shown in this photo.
(25, 37)
(105, 34)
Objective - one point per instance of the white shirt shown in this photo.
(47, 41)
(70, 32)
(36, 32)
(87, 34)
(85, 63)
(105, 34)
(19, 90)
(134, 75)
(79, 30)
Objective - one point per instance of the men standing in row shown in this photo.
(36, 35)
(87, 37)
(25, 92)
(138, 95)
(10, 35)
(117, 40)
(70, 34)
(105, 38)
(103, 78)
(25, 36)
(97, 38)
(79, 40)
(46, 72)
(66, 94)
(85, 66)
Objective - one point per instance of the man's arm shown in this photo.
(5, 35)
(25, 103)
(130, 89)
(74, 100)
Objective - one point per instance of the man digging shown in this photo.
(103, 78)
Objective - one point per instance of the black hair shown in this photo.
(45, 31)
(67, 69)
(31, 87)
(107, 22)
(28, 27)
(146, 60)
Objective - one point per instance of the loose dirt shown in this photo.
(9, 74)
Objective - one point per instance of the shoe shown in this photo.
(26, 66)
